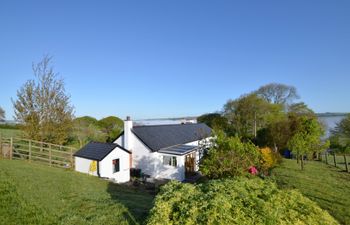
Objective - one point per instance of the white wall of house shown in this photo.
(106, 166)
(82, 165)
(167, 171)
(151, 163)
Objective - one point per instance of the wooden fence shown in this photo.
(340, 161)
(42, 152)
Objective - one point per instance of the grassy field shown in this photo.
(326, 185)
(37, 194)
(10, 132)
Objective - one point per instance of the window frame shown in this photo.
(116, 162)
(170, 160)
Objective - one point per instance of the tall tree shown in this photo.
(43, 106)
(278, 93)
(307, 138)
(2, 114)
(249, 113)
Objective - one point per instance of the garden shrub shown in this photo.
(238, 201)
(229, 157)
(269, 159)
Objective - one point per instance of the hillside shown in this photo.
(37, 194)
(329, 187)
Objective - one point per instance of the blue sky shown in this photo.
(151, 59)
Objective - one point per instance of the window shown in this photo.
(170, 160)
(116, 165)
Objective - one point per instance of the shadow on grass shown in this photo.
(136, 200)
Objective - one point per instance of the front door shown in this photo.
(190, 163)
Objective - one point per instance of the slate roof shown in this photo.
(97, 150)
(157, 137)
(178, 149)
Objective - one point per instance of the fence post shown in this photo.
(346, 164)
(1, 145)
(50, 155)
(30, 150)
(335, 161)
(11, 148)
(71, 158)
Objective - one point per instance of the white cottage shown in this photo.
(164, 151)
(159, 151)
(107, 160)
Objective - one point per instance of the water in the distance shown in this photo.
(330, 122)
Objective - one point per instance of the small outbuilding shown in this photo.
(106, 160)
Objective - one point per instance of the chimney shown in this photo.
(127, 133)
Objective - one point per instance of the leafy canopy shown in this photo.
(43, 106)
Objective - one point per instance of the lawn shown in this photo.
(324, 184)
(37, 194)
(5, 132)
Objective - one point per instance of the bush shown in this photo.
(229, 157)
(239, 201)
(269, 159)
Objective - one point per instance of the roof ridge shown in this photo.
(160, 125)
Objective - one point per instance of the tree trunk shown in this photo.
(326, 157)
(302, 163)
(346, 164)
(335, 161)
(297, 158)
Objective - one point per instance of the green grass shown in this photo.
(5, 132)
(36, 194)
(328, 186)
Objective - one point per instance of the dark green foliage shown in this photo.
(229, 157)
(238, 201)
(87, 129)
(112, 126)
(214, 120)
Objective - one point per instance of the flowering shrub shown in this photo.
(229, 157)
(269, 158)
(238, 201)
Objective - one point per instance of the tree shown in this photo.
(249, 113)
(112, 126)
(278, 93)
(2, 114)
(86, 129)
(43, 106)
(214, 120)
(307, 138)
(301, 108)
